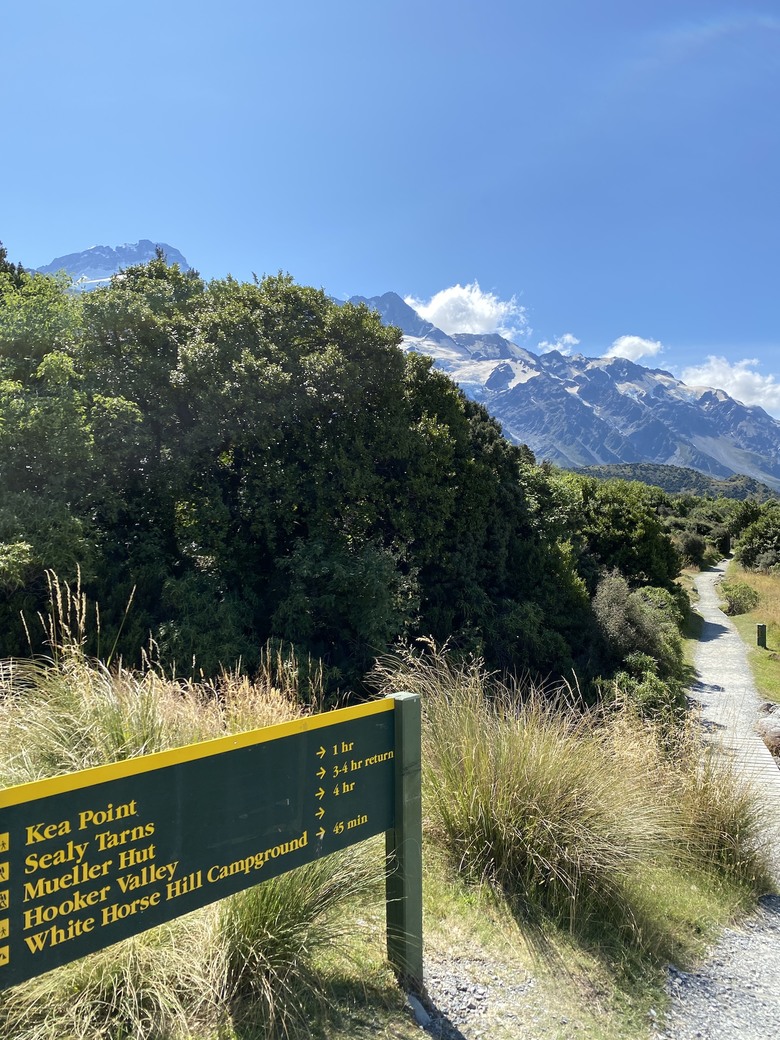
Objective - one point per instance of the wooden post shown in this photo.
(404, 849)
(761, 635)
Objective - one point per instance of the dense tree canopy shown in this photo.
(616, 525)
(254, 462)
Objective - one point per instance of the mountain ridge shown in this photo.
(97, 264)
(577, 411)
(571, 410)
(679, 480)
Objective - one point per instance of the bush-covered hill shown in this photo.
(682, 480)
(252, 462)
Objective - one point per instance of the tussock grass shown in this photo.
(266, 936)
(245, 966)
(715, 825)
(153, 985)
(768, 588)
(72, 713)
(565, 810)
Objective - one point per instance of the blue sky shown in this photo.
(600, 175)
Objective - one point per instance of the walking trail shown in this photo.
(735, 994)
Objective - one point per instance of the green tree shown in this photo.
(254, 462)
(15, 272)
(743, 515)
(619, 528)
(758, 547)
(46, 449)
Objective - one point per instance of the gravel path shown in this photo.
(735, 994)
(730, 704)
(476, 1000)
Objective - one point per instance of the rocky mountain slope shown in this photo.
(572, 410)
(578, 411)
(96, 264)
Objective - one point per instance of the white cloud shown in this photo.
(466, 308)
(685, 40)
(739, 380)
(563, 344)
(633, 348)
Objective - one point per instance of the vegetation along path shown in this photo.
(736, 992)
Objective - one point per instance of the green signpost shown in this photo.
(90, 858)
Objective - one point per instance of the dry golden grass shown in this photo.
(764, 663)
(599, 821)
(70, 712)
(768, 588)
(565, 810)
(243, 966)
(73, 714)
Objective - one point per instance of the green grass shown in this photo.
(764, 663)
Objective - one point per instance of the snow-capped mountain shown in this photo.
(578, 411)
(573, 410)
(94, 266)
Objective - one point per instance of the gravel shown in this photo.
(471, 1000)
(736, 992)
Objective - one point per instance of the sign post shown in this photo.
(92, 857)
(404, 849)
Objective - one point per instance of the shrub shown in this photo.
(759, 543)
(641, 688)
(645, 621)
(739, 596)
(693, 549)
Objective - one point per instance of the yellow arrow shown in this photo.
(320, 794)
(320, 813)
(321, 752)
(320, 772)
(321, 833)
